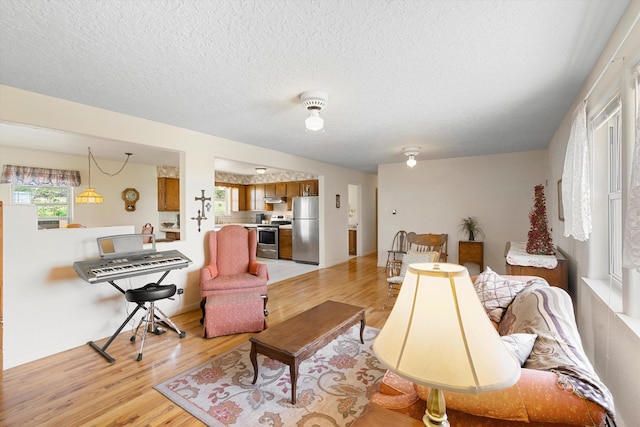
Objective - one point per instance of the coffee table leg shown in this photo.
(362, 329)
(293, 370)
(254, 362)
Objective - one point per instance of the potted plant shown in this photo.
(470, 226)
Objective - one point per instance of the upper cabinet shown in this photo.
(250, 197)
(255, 194)
(310, 186)
(168, 194)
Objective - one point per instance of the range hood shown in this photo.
(274, 200)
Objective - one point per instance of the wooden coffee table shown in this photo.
(299, 337)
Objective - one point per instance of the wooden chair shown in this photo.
(429, 243)
(395, 282)
(399, 247)
(147, 229)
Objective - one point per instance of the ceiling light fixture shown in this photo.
(314, 101)
(261, 170)
(411, 152)
(89, 195)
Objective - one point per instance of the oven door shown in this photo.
(268, 242)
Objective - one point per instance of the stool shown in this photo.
(233, 313)
(151, 293)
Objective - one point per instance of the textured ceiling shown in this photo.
(457, 78)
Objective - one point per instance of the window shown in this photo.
(53, 202)
(615, 198)
(221, 200)
(607, 154)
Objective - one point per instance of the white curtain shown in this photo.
(631, 233)
(576, 190)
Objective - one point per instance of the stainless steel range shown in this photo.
(268, 237)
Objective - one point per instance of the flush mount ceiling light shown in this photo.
(261, 170)
(314, 101)
(411, 152)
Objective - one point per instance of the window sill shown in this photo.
(612, 298)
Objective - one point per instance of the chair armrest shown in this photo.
(208, 272)
(258, 269)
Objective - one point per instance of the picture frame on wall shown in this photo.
(560, 206)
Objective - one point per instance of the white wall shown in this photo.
(611, 339)
(197, 154)
(435, 195)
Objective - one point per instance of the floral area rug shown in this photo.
(334, 386)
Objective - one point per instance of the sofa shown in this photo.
(558, 385)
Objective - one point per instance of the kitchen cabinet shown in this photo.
(312, 184)
(285, 244)
(293, 189)
(270, 189)
(353, 242)
(255, 194)
(168, 194)
(281, 189)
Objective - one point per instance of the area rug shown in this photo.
(334, 386)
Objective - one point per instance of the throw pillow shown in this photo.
(520, 345)
(496, 292)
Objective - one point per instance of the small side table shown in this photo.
(375, 416)
(471, 252)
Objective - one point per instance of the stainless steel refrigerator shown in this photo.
(306, 230)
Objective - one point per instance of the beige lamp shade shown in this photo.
(439, 335)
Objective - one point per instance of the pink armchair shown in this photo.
(232, 267)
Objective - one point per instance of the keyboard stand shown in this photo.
(103, 350)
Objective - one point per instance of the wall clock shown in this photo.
(130, 197)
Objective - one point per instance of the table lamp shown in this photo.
(439, 335)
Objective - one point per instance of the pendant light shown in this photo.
(89, 195)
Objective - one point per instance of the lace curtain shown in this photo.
(576, 190)
(27, 175)
(631, 243)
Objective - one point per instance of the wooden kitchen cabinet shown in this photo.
(293, 189)
(471, 252)
(255, 194)
(313, 187)
(168, 194)
(281, 189)
(285, 244)
(270, 189)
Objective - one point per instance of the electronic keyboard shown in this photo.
(130, 265)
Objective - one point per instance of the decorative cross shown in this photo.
(200, 218)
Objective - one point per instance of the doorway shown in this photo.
(355, 237)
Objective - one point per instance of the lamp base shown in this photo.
(436, 413)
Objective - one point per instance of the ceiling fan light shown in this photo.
(314, 122)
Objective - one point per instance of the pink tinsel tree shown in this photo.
(539, 241)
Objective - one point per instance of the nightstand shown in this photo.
(377, 416)
(471, 252)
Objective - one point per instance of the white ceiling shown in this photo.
(457, 78)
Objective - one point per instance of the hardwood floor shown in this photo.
(79, 387)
